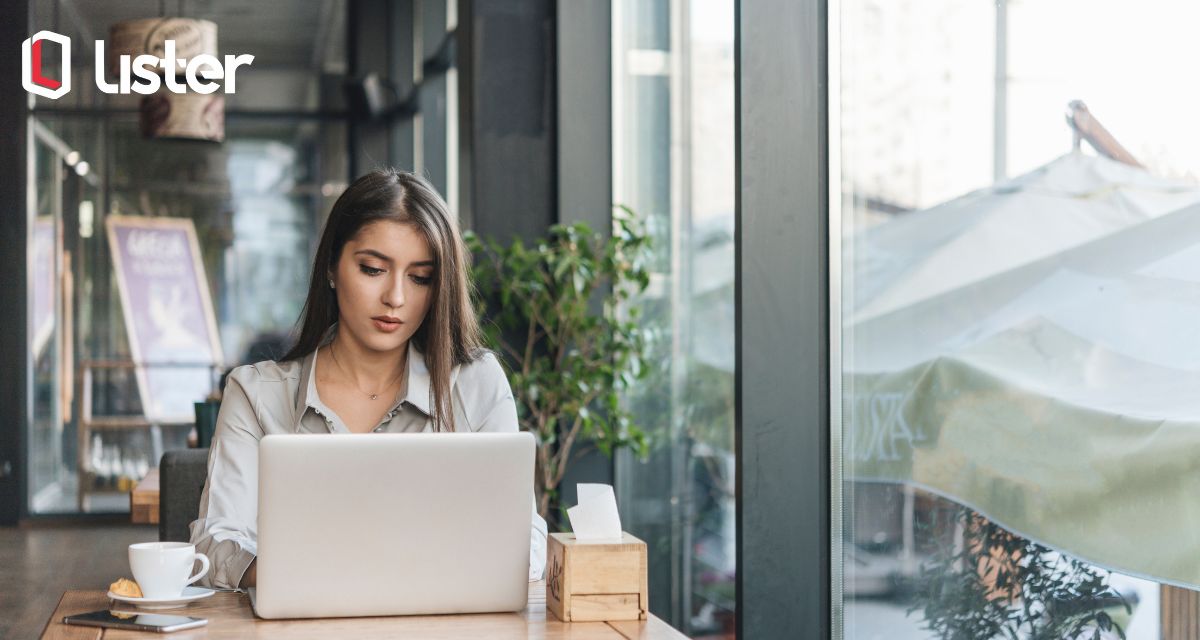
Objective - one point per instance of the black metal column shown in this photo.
(14, 380)
(367, 41)
(583, 112)
(782, 280)
(507, 79)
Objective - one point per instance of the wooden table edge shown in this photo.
(615, 626)
(50, 620)
(54, 617)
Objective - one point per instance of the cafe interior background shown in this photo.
(994, 180)
(467, 97)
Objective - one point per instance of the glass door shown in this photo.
(55, 182)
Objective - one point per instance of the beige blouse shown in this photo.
(281, 397)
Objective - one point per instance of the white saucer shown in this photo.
(190, 594)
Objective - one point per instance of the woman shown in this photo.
(389, 343)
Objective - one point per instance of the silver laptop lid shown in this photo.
(388, 524)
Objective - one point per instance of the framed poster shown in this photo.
(168, 313)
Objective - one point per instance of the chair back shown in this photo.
(181, 476)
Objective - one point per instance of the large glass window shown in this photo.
(673, 115)
(256, 202)
(1020, 244)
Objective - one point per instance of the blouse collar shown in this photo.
(417, 391)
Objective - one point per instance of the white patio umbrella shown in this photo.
(1065, 203)
(1050, 378)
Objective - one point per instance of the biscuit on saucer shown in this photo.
(127, 588)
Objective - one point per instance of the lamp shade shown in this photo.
(148, 35)
(191, 116)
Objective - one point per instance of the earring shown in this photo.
(331, 286)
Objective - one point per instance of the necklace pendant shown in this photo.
(373, 396)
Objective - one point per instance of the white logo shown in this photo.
(199, 73)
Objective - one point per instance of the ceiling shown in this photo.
(293, 41)
(279, 33)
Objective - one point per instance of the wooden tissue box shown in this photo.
(591, 582)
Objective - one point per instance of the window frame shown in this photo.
(783, 321)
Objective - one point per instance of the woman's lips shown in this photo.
(386, 325)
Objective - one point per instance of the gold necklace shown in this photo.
(372, 396)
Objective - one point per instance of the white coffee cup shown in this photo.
(161, 568)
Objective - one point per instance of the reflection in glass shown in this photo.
(1018, 292)
(673, 149)
(44, 330)
(256, 202)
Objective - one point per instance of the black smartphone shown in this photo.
(135, 620)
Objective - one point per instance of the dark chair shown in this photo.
(181, 476)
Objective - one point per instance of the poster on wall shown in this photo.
(168, 313)
(43, 283)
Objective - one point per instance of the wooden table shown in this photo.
(229, 616)
(143, 500)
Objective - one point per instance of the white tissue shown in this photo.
(595, 518)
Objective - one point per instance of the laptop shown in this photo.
(393, 524)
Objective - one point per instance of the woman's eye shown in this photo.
(422, 280)
(371, 271)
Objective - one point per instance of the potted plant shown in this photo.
(554, 312)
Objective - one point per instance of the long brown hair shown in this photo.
(449, 335)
